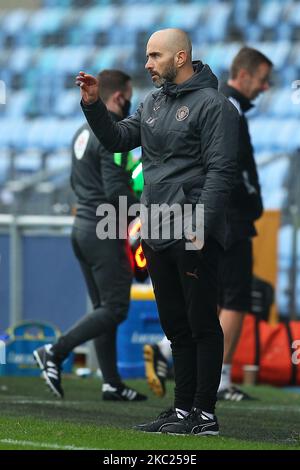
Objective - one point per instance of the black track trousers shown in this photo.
(186, 291)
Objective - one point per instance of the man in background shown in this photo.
(99, 177)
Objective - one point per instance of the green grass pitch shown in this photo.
(31, 418)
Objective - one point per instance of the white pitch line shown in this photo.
(24, 401)
(43, 444)
(47, 402)
(262, 408)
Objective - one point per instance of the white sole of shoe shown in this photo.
(207, 433)
(149, 432)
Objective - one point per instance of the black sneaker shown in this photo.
(121, 393)
(233, 394)
(156, 369)
(166, 418)
(50, 369)
(196, 422)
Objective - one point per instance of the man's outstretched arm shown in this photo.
(115, 136)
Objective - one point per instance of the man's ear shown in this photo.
(116, 97)
(180, 59)
(243, 73)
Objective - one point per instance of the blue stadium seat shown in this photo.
(107, 58)
(184, 16)
(58, 159)
(145, 19)
(270, 13)
(66, 131)
(241, 14)
(282, 298)
(272, 177)
(293, 14)
(217, 21)
(47, 20)
(71, 59)
(99, 18)
(15, 20)
(279, 102)
(17, 103)
(253, 33)
(19, 60)
(4, 164)
(67, 104)
(27, 162)
(284, 254)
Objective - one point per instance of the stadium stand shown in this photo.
(43, 49)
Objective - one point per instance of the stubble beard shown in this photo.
(168, 76)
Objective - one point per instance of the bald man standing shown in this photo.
(188, 132)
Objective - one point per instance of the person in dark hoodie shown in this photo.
(99, 177)
(188, 131)
(249, 76)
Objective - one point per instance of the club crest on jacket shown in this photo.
(182, 113)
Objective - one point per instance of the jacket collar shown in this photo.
(114, 116)
(243, 101)
(202, 78)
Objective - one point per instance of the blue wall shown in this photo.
(53, 286)
(4, 281)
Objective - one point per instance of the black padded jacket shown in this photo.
(245, 203)
(189, 135)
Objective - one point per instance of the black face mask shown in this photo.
(126, 108)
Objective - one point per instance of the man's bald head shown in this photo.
(174, 40)
(169, 56)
